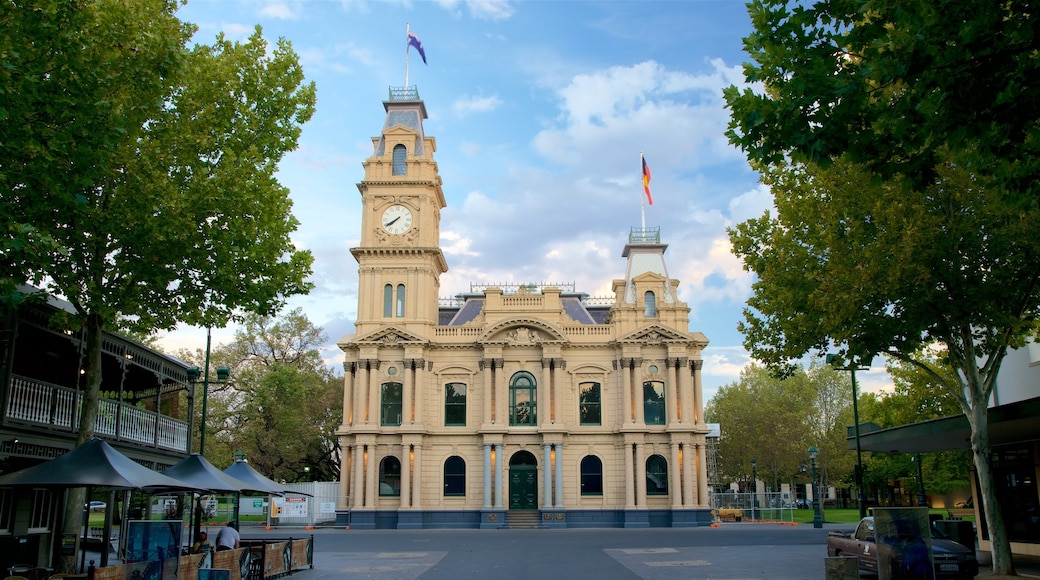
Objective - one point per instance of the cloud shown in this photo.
(481, 9)
(472, 104)
(278, 10)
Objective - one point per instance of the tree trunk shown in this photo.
(74, 518)
(980, 451)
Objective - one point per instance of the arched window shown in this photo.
(589, 408)
(650, 302)
(522, 400)
(656, 475)
(388, 301)
(455, 404)
(390, 407)
(390, 477)
(399, 167)
(400, 300)
(591, 475)
(653, 403)
(454, 476)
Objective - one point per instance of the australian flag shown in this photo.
(413, 40)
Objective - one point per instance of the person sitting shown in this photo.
(228, 538)
(203, 545)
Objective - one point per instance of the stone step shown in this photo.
(523, 519)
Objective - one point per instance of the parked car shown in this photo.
(97, 506)
(951, 559)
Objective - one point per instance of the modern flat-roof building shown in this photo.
(513, 404)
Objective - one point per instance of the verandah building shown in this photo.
(513, 404)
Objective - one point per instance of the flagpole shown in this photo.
(408, 28)
(642, 195)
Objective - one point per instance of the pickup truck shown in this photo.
(951, 560)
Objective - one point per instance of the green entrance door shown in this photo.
(523, 481)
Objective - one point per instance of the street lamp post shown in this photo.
(817, 518)
(307, 473)
(223, 374)
(922, 500)
(754, 489)
(832, 359)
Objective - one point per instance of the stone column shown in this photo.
(418, 391)
(362, 393)
(629, 401)
(686, 391)
(675, 476)
(546, 476)
(698, 392)
(344, 479)
(640, 475)
(349, 376)
(488, 391)
(406, 476)
(406, 394)
(374, 393)
(359, 477)
(702, 480)
(689, 460)
(630, 481)
(671, 400)
(500, 459)
(544, 397)
(501, 392)
(487, 476)
(637, 387)
(559, 476)
(371, 485)
(417, 478)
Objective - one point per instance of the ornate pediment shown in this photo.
(390, 336)
(523, 332)
(655, 334)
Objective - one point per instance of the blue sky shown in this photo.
(540, 110)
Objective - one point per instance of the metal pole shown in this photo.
(859, 451)
(754, 489)
(205, 396)
(922, 500)
(817, 520)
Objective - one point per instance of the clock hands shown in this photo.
(391, 222)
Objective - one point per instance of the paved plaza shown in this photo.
(732, 551)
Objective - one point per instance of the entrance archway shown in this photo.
(523, 481)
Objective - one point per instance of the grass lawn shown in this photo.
(842, 516)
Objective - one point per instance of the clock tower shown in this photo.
(399, 259)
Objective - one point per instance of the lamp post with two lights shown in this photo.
(223, 375)
(834, 360)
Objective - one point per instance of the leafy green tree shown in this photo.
(149, 166)
(283, 405)
(852, 261)
(774, 421)
(903, 87)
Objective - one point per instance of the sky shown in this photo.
(540, 110)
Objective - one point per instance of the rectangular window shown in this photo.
(42, 507)
(388, 301)
(653, 403)
(589, 408)
(390, 409)
(455, 404)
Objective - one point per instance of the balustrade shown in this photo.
(58, 408)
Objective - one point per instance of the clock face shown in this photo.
(397, 219)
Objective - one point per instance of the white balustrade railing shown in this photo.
(57, 407)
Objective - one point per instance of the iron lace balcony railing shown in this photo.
(58, 408)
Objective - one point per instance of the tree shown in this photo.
(900, 86)
(149, 165)
(853, 261)
(283, 406)
(774, 421)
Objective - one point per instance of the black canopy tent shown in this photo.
(95, 464)
(203, 475)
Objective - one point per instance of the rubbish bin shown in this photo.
(960, 531)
